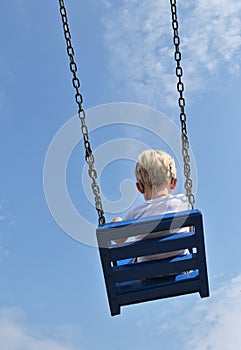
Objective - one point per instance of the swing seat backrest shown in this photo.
(128, 282)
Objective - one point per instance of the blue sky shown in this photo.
(52, 291)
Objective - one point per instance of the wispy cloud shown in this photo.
(6, 215)
(5, 74)
(215, 324)
(3, 252)
(139, 40)
(194, 323)
(6, 221)
(14, 334)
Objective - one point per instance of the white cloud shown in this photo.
(6, 220)
(215, 324)
(5, 73)
(15, 335)
(3, 252)
(196, 324)
(6, 216)
(139, 39)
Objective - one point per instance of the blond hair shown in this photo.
(155, 168)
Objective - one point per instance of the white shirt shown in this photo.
(162, 205)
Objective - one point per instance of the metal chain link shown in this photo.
(89, 157)
(181, 102)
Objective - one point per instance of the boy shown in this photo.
(156, 179)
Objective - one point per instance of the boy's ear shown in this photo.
(173, 183)
(140, 187)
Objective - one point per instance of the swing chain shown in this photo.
(89, 157)
(181, 102)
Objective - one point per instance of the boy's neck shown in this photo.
(150, 194)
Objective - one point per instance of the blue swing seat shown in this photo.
(129, 283)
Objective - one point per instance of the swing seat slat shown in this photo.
(153, 246)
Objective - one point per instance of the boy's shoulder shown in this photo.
(180, 197)
(179, 202)
(170, 203)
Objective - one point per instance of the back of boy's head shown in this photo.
(155, 169)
